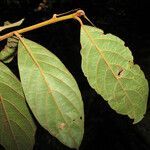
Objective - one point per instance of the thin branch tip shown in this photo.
(55, 18)
(80, 13)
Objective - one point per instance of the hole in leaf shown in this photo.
(120, 73)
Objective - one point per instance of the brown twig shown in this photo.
(54, 19)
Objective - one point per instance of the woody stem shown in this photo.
(54, 19)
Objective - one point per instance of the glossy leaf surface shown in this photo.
(109, 68)
(17, 128)
(51, 93)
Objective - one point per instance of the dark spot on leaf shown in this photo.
(81, 118)
(131, 64)
(120, 73)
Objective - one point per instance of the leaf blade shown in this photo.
(106, 63)
(17, 127)
(55, 89)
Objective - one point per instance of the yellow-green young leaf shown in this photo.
(17, 128)
(51, 93)
(11, 25)
(109, 68)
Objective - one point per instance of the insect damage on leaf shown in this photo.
(61, 126)
(109, 68)
(120, 73)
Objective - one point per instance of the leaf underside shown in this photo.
(17, 128)
(51, 93)
(109, 68)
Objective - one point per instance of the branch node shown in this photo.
(54, 16)
(80, 13)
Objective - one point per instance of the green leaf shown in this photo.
(109, 68)
(17, 128)
(51, 93)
